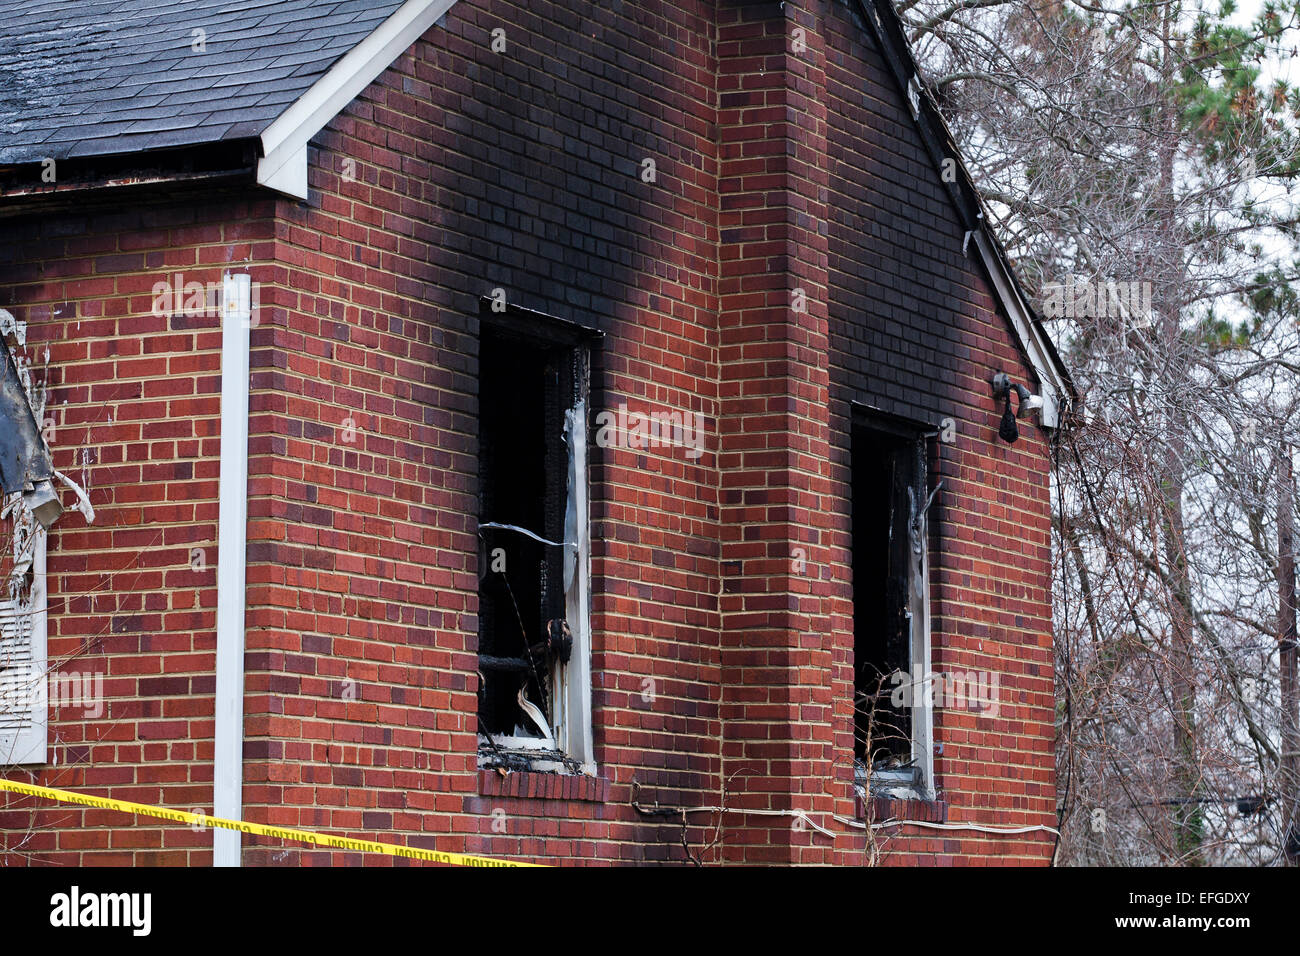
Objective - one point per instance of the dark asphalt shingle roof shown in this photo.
(93, 77)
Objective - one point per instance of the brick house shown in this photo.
(514, 428)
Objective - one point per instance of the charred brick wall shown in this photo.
(914, 332)
(461, 171)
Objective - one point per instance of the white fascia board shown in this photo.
(1055, 389)
(283, 166)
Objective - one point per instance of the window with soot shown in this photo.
(891, 640)
(534, 706)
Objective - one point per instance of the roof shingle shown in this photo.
(87, 77)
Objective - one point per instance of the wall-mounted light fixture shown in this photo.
(1028, 402)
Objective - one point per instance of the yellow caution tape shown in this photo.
(302, 836)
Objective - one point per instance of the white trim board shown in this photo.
(1055, 389)
(283, 166)
(232, 566)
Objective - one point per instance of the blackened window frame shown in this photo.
(570, 710)
(916, 781)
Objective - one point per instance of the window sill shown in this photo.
(543, 786)
(915, 806)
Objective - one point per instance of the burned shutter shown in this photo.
(25, 466)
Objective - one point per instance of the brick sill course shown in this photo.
(898, 808)
(543, 786)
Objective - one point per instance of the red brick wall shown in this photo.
(777, 648)
(460, 171)
(134, 400)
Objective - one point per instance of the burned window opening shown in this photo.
(532, 420)
(25, 466)
(890, 503)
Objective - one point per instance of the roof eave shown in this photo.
(100, 178)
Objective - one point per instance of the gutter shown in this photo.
(79, 181)
(125, 181)
(232, 535)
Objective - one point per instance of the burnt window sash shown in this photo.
(890, 503)
(533, 620)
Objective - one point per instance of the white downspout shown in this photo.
(232, 497)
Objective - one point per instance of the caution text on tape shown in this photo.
(259, 829)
